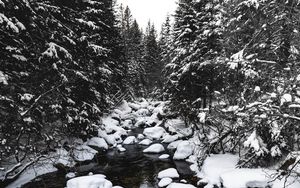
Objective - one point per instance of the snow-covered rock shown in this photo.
(164, 156)
(64, 159)
(159, 109)
(127, 124)
(180, 185)
(146, 142)
(184, 150)
(144, 103)
(70, 175)
(142, 112)
(97, 142)
(155, 148)
(179, 127)
(168, 173)
(111, 139)
(84, 153)
(170, 138)
(142, 122)
(173, 145)
(111, 125)
(153, 119)
(150, 108)
(94, 181)
(124, 107)
(121, 148)
(183, 181)
(141, 136)
(130, 140)
(154, 132)
(164, 182)
(134, 106)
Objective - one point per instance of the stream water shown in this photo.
(131, 169)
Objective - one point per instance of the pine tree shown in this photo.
(153, 66)
(165, 41)
(61, 63)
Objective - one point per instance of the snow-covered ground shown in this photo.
(173, 136)
(221, 170)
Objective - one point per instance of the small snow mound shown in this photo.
(84, 153)
(142, 112)
(155, 148)
(164, 182)
(140, 136)
(146, 142)
(111, 139)
(174, 145)
(127, 124)
(97, 142)
(154, 132)
(134, 106)
(168, 173)
(124, 107)
(184, 150)
(121, 148)
(70, 175)
(144, 103)
(94, 181)
(64, 159)
(170, 138)
(130, 140)
(164, 156)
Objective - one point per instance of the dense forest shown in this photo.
(229, 69)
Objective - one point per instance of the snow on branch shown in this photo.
(38, 99)
(3, 78)
(88, 23)
(53, 50)
(254, 141)
(99, 50)
(9, 23)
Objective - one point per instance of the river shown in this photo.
(131, 169)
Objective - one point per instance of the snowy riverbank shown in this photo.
(163, 138)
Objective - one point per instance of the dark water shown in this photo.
(131, 169)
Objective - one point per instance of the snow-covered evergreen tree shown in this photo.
(151, 58)
(61, 62)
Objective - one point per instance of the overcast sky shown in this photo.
(155, 10)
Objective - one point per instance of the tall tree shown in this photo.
(153, 66)
(62, 61)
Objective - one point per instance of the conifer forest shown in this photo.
(90, 99)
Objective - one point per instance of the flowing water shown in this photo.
(131, 169)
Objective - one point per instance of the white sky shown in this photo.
(155, 10)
